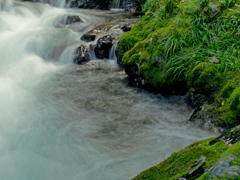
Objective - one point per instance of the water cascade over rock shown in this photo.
(116, 4)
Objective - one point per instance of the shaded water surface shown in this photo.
(59, 121)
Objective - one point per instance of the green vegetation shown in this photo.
(190, 44)
(178, 163)
(140, 4)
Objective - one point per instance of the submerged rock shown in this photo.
(126, 27)
(72, 20)
(103, 47)
(82, 55)
(88, 37)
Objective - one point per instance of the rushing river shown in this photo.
(60, 121)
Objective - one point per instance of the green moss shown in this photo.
(237, 161)
(209, 112)
(229, 87)
(173, 43)
(178, 163)
(230, 110)
(206, 78)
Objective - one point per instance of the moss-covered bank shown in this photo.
(178, 163)
(190, 45)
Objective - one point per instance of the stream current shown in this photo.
(60, 121)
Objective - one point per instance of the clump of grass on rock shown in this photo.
(187, 44)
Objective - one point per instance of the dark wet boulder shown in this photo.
(195, 100)
(131, 5)
(231, 136)
(126, 27)
(132, 70)
(90, 4)
(88, 37)
(82, 55)
(71, 20)
(103, 47)
(119, 59)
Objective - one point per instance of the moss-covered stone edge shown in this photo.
(177, 165)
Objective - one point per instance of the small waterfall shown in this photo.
(116, 4)
(112, 55)
(5, 5)
(56, 3)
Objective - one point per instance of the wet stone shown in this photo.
(126, 27)
(72, 20)
(215, 9)
(198, 163)
(132, 71)
(88, 37)
(230, 169)
(222, 167)
(103, 47)
(214, 60)
(230, 136)
(228, 158)
(232, 175)
(82, 55)
(218, 169)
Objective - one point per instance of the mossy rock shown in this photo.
(207, 79)
(231, 136)
(178, 163)
(174, 43)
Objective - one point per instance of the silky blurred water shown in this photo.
(59, 121)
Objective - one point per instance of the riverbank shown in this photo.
(188, 47)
